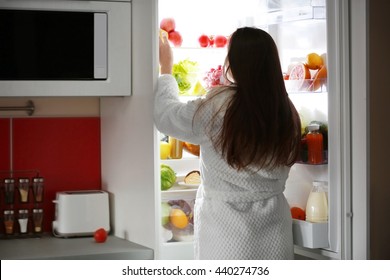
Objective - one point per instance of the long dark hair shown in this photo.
(261, 126)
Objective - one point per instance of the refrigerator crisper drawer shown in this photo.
(310, 235)
(177, 219)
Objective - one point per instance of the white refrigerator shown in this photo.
(131, 144)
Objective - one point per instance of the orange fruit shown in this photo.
(319, 79)
(298, 213)
(178, 218)
(314, 61)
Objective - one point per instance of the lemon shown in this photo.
(314, 61)
(165, 150)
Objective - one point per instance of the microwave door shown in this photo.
(53, 45)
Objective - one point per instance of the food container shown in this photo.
(177, 219)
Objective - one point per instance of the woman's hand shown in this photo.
(166, 55)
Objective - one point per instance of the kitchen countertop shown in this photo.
(48, 247)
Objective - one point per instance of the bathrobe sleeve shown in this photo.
(173, 117)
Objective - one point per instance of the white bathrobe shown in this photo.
(237, 215)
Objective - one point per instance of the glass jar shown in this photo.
(37, 220)
(23, 220)
(9, 190)
(176, 148)
(9, 221)
(24, 184)
(317, 203)
(315, 144)
(38, 184)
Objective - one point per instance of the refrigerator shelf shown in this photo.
(310, 235)
(289, 14)
(306, 86)
(178, 192)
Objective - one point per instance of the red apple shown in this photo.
(204, 41)
(168, 24)
(176, 38)
(220, 41)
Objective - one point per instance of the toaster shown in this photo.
(81, 213)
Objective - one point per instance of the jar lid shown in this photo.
(9, 180)
(23, 211)
(7, 212)
(38, 179)
(37, 210)
(313, 127)
(24, 180)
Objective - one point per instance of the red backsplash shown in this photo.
(65, 151)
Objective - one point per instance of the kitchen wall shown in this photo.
(60, 142)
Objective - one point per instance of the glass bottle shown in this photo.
(176, 148)
(317, 203)
(315, 144)
(24, 184)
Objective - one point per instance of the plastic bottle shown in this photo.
(315, 144)
(317, 203)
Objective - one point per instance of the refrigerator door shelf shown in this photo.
(310, 235)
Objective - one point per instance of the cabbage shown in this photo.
(186, 74)
(168, 177)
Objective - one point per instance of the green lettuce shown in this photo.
(168, 177)
(186, 74)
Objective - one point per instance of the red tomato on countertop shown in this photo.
(100, 235)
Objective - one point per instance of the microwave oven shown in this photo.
(65, 48)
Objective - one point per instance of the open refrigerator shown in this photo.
(298, 27)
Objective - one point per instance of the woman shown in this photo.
(249, 136)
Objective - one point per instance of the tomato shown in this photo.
(298, 213)
(100, 235)
(176, 38)
(204, 41)
(220, 41)
(168, 24)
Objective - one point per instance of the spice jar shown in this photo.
(23, 186)
(38, 183)
(37, 220)
(176, 148)
(315, 144)
(9, 221)
(9, 190)
(23, 220)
